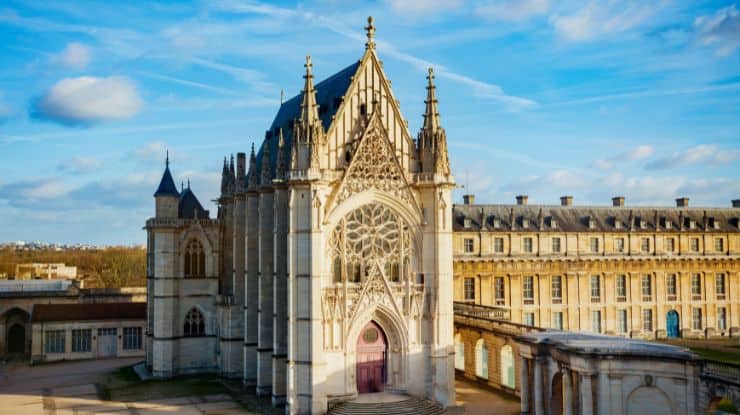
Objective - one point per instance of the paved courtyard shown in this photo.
(75, 388)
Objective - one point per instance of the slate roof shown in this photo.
(94, 311)
(167, 185)
(603, 218)
(328, 95)
(189, 205)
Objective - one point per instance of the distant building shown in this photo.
(19, 298)
(46, 271)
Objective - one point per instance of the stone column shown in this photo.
(524, 385)
(587, 401)
(568, 392)
(539, 388)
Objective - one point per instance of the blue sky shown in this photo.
(546, 98)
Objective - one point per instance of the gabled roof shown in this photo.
(167, 185)
(189, 206)
(328, 95)
(94, 311)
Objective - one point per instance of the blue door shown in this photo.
(672, 324)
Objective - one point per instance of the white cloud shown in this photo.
(556, 179)
(722, 30)
(154, 151)
(638, 153)
(79, 165)
(75, 55)
(512, 10)
(602, 19)
(704, 153)
(423, 6)
(87, 100)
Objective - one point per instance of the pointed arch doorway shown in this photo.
(372, 348)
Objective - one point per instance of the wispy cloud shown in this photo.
(708, 154)
(87, 100)
(638, 153)
(74, 55)
(512, 10)
(599, 19)
(721, 30)
(79, 165)
(649, 93)
(422, 7)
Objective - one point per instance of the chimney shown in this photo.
(736, 203)
(566, 200)
(521, 200)
(682, 202)
(468, 199)
(618, 201)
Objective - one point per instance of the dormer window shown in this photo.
(591, 223)
(643, 224)
(525, 223)
(467, 223)
(617, 224)
(496, 223)
(713, 223)
(553, 223)
(692, 224)
(667, 223)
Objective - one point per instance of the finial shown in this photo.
(430, 74)
(182, 186)
(370, 29)
(308, 65)
(188, 182)
(167, 158)
(252, 147)
(282, 95)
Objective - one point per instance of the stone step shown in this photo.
(410, 406)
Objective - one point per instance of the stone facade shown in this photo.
(629, 271)
(341, 218)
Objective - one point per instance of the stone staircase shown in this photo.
(409, 406)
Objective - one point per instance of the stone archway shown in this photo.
(371, 361)
(17, 331)
(556, 398)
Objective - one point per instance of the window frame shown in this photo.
(556, 247)
(696, 318)
(556, 289)
(557, 320)
(647, 319)
(719, 244)
(55, 341)
(646, 287)
(468, 245)
(621, 298)
(622, 321)
(499, 287)
(720, 286)
(595, 289)
(132, 338)
(528, 292)
(81, 340)
(594, 245)
(671, 287)
(619, 245)
(696, 291)
(596, 321)
(498, 245)
(528, 244)
(645, 244)
(469, 289)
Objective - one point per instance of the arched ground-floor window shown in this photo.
(507, 367)
(459, 353)
(195, 324)
(481, 359)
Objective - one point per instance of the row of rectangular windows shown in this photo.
(622, 321)
(82, 339)
(527, 244)
(556, 285)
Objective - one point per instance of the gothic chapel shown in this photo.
(328, 270)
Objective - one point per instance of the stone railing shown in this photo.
(481, 311)
(722, 371)
(180, 222)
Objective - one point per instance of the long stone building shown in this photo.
(327, 270)
(630, 271)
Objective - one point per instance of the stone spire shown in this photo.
(225, 178)
(432, 140)
(281, 162)
(309, 109)
(232, 176)
(252, 174)
(167, 184)
(265, 173)
(309, 131)
(370, 29)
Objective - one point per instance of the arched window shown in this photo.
(195, 324)
(371, 234)
(481, 359)
(507, 367)
(459, 353)
(195, 259)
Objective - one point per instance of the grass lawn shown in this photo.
(124, 385)
(717, 355)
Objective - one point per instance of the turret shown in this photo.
(225, 179)
(432, 140)
(166, 197)
(265, 170)
(241, 172)
(309, 131)
(252, 173)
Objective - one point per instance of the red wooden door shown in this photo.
(371, 349)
